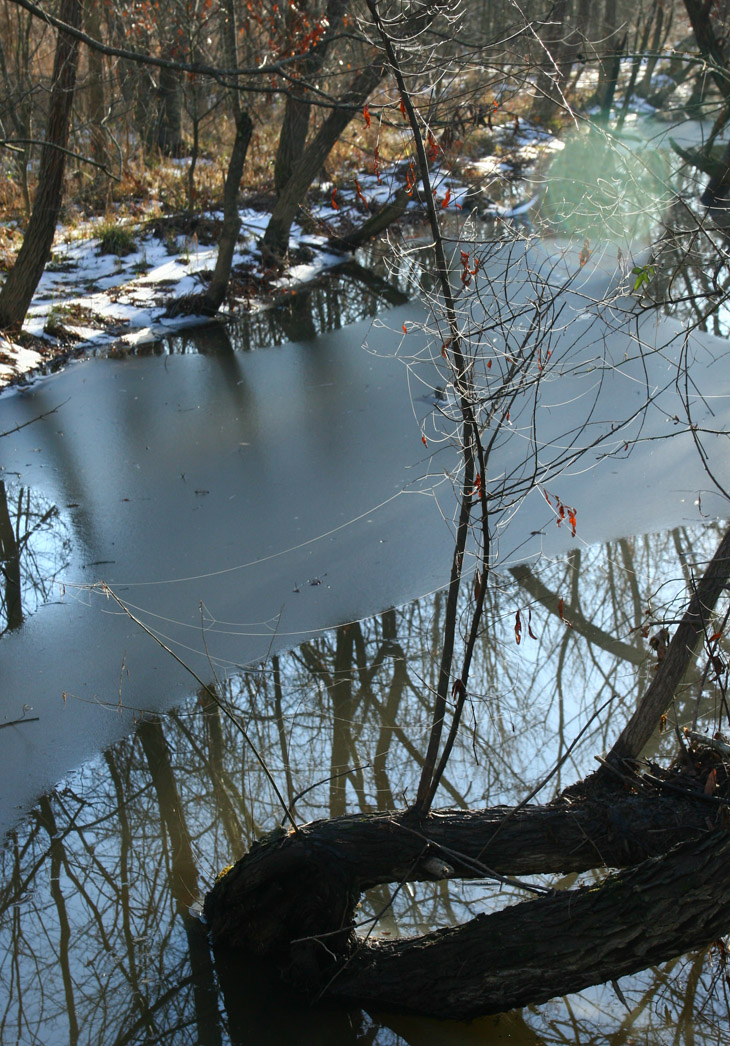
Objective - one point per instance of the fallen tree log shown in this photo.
(293, 897)
(552, 946)
(375, 224)
(383, 848)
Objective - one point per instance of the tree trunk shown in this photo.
(657, 13)
(292, 899)
(275, 242)
(216, 292)
(559, 45)
(377, 223)
(95, 103)
(610, 59)
(16, 104)
(612, 66)
(292, 136)
(19, 287)
(639, 50)
(673, 665)
(711, 45)
(558, 944)
(169, 114)
(209, 301)
(295, 124)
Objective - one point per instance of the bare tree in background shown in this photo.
(19, 287)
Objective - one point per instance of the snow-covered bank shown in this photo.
(87, 298)
(90, 296)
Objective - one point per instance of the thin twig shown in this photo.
(711, 742)
(33, 420)
(686, 793)
(326, 780)
(472, 450)
(10, 143)
(25, 719)
(211, 693)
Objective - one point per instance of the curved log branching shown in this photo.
(293, 898)
(552, 946)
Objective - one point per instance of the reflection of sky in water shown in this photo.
(35, 545)
(97, 884)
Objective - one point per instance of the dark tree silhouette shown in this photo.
(19, 287)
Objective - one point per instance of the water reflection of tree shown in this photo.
(98, 937)
(690, 270)
(34, 549)
(347, 294)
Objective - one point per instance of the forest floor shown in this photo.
(109, 283)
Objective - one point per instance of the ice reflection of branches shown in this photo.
(691, 274)
(34, 549)
(95, 901)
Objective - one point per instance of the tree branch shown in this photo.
(673, 665)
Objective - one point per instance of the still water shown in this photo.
(100, 936)
(275, 504)
(239, 501)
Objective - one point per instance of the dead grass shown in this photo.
(10, 241)
(149, 186)
(12, 204)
